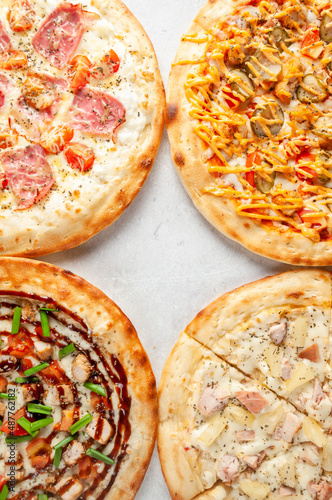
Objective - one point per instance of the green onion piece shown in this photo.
(18, 439)
(64, 442)
(50, 309)
(99, 456)
(27, 426)
(36, 408)
(16, 320)
(44, 323)
(42, 497)
(39, 424)
(6, 396)
(26, 380)
(95, 388)
(0, 342)
(67, 350)
(80, 423)
(36, 369)
(57, 457)
(4, 492)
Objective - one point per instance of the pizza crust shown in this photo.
(115, 334)
(51, 225)
(186, 150)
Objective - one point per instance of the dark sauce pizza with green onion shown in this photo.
(65, 404)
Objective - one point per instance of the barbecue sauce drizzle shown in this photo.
(118, 377)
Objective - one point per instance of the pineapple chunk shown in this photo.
(254, 489)
(269, 420)
(224, 345)
(299, 331)
(215, 427)
(314, 432)
(288, 472)
(300, 376)
(327, 455)
(273, 356)
(240, 415)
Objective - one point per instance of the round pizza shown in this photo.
(81, 118)
(77, 394)
(245, 398)
(249, 118)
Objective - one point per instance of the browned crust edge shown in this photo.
(116, 335)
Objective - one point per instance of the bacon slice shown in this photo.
(252, 400)
(96, 112)
(28, 173)
(4, 39)
(60, 34)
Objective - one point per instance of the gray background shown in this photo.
(162, 262)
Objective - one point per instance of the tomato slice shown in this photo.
(87, 468)
(54, 139)
(12, 427)
(253, 159)
(112, 60)
(25, 364)
(79, 72)
(19, 345)
(21, 15)
(302, 158)
(13, 60)
(79, 156)
(310, 36)
(233, 100)
(54, 374)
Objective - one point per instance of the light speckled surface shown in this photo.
(162, 262)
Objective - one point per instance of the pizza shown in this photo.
(245, 398)
(249, 121)
(77, 394)
(81, 118)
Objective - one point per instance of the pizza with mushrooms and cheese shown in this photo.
(250, 123)
(245, 398)
(81, 117)
(78, 403)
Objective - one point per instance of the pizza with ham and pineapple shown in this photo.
(249, 120)
(245, 398)
(78, 402)
(81, 117)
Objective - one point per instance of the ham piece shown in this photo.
(28, 173)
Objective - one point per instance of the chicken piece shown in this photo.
(311, 353)
(302, 115)
(292, 424)
(245, 436)
(293, 15)
(100, 429)
(3, 384)
(67, 419)
(286, 491)
(278, 333)
(13, 471)
(59, 394)
(13, 457)
(81, 368)
(2, 409)
(291, 71)
(228, 469)
(235, 54)
(252, 400)
(29, 313)
(74, 452)
(43, 350)
(31, 392)
(254, 460)
(286, 369)
(318, 394)
(212, 400)
(69, 488)
(321, 490)
(310, 454)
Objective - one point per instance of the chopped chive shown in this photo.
(27, 426)
(4, 492)
(67, 350)
(6, 396)
(16, 320)
(18, 439)
(0, 342)
(50, 309)
(80, 423)
(35, 369)
(64, 442)
(39, 424)
(26, 380)
(99, 456)
(57, 457)
(36, 408)
(44, 323)
(42, 497)
(95, 388)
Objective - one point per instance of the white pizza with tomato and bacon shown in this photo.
(245, 398)
(249, 118)
(81, 117)
(78, 404)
